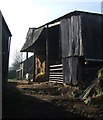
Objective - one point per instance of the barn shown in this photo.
(26, 66)
(70, 48)
(5, 40)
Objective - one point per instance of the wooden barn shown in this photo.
(70, 48)
(5, 40)
(26, 66)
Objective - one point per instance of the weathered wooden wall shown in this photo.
(6, 39)
(71, 45)
(81, 37)
(92, 36)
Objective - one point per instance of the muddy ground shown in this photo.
(46, 100)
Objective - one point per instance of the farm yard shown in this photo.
(64, 77)
(47, 100)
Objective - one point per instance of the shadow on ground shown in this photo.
(18, 105)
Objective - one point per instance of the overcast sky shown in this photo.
(22, 14)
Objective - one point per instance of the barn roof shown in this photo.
(32, 35)
(92, 29)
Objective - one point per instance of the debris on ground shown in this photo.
(88, 102)
(93, 94)
(63, 96)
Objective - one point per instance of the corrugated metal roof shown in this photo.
(69, 15)
(32, 36)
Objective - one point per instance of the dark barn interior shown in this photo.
(39, 46)
(36, 42)
(54, 45)
(92, 27)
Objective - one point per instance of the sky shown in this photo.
(20, 15)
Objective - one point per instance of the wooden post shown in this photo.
(26, 62)
(47, 55)
(34, 67)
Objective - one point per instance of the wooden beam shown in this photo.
(47, 55)
(26, 55)
(26, 62)
(60, 65)
(56, 69)
(34, 67)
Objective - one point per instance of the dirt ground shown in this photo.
(46, 100)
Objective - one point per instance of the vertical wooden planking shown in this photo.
(64, 37)
(79, 27)
(74, 65)
(66, 71)
(71, 43)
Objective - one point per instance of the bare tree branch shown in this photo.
(17, 59)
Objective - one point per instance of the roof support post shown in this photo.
(26, 62)
(47, 54)
(34, 67)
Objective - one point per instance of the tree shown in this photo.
(17, 60)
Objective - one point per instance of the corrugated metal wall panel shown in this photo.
(92, 33)
(71, 39)
(70, 70)
(72, 48)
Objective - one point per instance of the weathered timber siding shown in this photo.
(71, 43)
